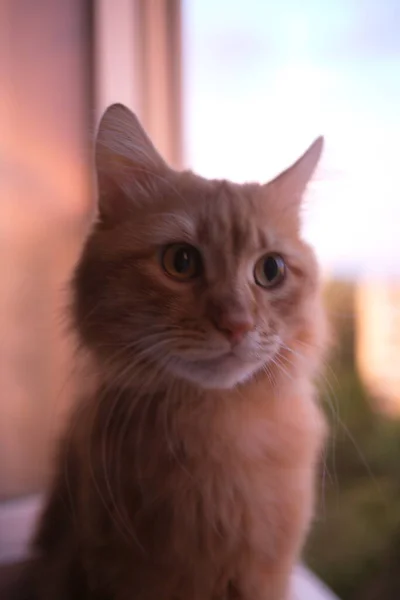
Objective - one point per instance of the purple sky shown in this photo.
(263, 78)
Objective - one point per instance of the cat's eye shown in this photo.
(181, 261)
(270, 270)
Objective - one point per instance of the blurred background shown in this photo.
(232, 89)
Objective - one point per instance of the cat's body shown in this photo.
(189, 473)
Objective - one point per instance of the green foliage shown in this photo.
(355, 542)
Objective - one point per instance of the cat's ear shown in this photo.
(127, 163)
(290, 185)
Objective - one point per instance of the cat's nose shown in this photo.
(235, 329)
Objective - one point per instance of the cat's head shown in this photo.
(187, 278)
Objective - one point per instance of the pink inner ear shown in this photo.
(114, 206)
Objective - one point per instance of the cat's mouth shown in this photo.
(234, 354)
(224, 365)
(225, 358)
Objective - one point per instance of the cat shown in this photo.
(189, 472)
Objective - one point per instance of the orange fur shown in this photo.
(190, 472)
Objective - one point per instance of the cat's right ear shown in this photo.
(128, 165)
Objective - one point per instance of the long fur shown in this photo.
(186, 476)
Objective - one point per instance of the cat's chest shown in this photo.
(254, 443)
(252, 478)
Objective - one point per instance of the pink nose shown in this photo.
(234, 329)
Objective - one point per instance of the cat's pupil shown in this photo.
(182, 260)
(271, 268)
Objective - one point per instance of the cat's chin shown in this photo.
(224, 374)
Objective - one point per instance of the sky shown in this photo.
(262, 79)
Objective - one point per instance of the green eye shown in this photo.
(182, 261)
(270, 270)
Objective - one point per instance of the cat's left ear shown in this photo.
(291, 183)
(129, 168)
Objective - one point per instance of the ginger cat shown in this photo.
(189, 473)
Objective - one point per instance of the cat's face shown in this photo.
(207, 281)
